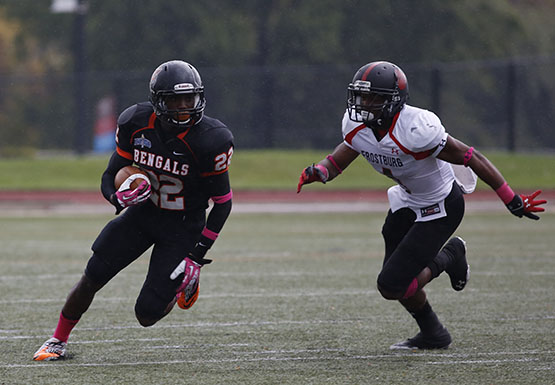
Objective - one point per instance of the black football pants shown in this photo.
(127, 237)
(411, 246)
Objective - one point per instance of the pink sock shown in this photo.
(65, 326)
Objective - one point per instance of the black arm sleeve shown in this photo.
(107, 185)
(217, 185)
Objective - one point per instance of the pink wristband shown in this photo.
(330, 158)
(505, 193)
(468, 156)
(209, 234)
(324, 171)
(222, 198)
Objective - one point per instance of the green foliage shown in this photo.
(257, 169)
(276, 70)
(222, 32)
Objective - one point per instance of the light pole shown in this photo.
(79, 9)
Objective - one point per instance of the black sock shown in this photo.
(440, 263)
(426, 319)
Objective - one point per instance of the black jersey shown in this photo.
(180, 164)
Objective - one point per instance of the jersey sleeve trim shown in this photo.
(211, 173)
(349, 137)
(124, 154)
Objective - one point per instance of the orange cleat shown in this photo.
(53, 349)
(187, 297)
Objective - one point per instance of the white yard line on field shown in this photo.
(12, 334)
(272, 294)
(320, 355)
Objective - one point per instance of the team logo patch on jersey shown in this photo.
(143, 142)
(430, 210)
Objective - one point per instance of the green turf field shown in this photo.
(290, 299)
(257, 169)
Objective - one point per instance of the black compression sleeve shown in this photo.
(114, 165)
(217, 186)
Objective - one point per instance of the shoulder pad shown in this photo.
(213, 134)
(135, 110)
(418, 129)
(219, 136)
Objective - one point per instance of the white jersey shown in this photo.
(407, 154)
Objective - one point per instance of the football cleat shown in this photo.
(53, 349)
(187, 298)
(440, 340)
(458, 269)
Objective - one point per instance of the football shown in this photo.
(124, 173)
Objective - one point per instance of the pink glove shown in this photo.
(187, 293)
(127, 197)
(314, 173)
(191, 271)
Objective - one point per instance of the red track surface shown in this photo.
(244, 196)
(51, 203)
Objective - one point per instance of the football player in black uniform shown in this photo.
(187, 156)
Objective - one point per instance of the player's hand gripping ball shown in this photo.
(133, 186)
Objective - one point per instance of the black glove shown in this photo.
(198, 253)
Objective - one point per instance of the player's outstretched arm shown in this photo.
(457, 152)
(329, 167)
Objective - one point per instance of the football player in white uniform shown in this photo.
(432, 170)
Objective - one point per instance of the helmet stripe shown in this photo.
(370, 67)
(401, 79)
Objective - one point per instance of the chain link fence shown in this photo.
(504, 104)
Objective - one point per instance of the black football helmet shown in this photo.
(384, 88)
(172, 78)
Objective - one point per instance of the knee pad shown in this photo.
(150, 306)
(394, 293)
(388, 291)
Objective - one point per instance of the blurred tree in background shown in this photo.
(276, 70)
